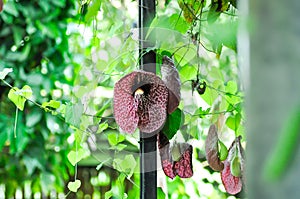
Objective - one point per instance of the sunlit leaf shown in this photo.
(234, 121)
(108, 194)
(231, 87)
(235, 167)
(187, 73)
(103, 126)
(73, 114)
(92, 11)
(18, 97)
(223, 152)
(127, 164)
(5, 72)
(51, 104)
(75, 156)
(115, 138)
(74, 186)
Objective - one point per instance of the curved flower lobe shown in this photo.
(171, 78)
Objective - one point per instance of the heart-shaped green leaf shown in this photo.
(5, 72)
(18, 97)
(223, 152)
(74, 186)
(235, 167)
(73, 114)
(173, 123)
(75, 156)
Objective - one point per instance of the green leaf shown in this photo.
(3, 138)
(210, 94)
(233, 121)
(11, 8)
(115, 138)
(160, 193)
(235, 167)
(31, 164)
(185, 54)
(51, 104)
(75, 156)
(285, 149)
(108, 194)
(103, 126)
(187, 73)
(73, 114)
(18, 97)
(4, 72)
(202, 113)
(223, 152)
(120, 147)
(74, 186)
(173, 123)
(231, 87)
(92, 11)
(33, 117)
(127, 165)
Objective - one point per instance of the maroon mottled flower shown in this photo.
(183, 166)
(140, 100)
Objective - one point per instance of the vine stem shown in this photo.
(16, 121)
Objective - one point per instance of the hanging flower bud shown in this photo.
(171, 78)
(140, 100)
(233, 173)
(212, 149)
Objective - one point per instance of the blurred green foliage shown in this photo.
(34, 43)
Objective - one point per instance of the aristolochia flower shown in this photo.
(140, 100)
(176, 160)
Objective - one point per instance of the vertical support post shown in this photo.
(148, 159)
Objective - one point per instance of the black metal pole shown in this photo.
(148, 159)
